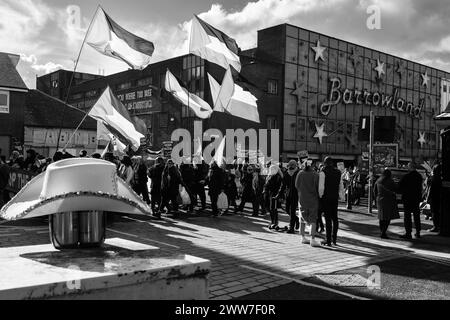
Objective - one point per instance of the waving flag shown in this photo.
(200, 107)
(110, 39)
(219, 155)
(114, 116)
(233, 99)
(213, 45)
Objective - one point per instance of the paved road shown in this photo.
(251, 261)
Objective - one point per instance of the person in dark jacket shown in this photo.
(4, 180)
(411, 189)
(200, 173)
(271, 190)
(258, 189)
(290, 192)
(187, 175)
(231, 190)
(248, 194)
(141, 179)
(330, 187)
(434, 197)
(155, 174)
(170, 187)
(386, 197)
(215, 180)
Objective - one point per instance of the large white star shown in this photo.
(421, 139)
(380, 68)
(320, 134)
(318, 49)
(425, 79)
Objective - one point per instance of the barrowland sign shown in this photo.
(364, 97)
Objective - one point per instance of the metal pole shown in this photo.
(371, 135)
(71, 80)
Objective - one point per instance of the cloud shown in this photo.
(47, 68)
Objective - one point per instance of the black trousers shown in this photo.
(156, 200)
(142, 189)
(273, 208)
(291, 210)
(199, 190)
(414, 210)
(214, 197)
(246, 197)
(435, 211)
(384, 225)
(259, 202)
(169, 199)
(330, 207)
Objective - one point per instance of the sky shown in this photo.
(47, 36)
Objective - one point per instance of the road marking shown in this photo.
(147, 239)
(308, 284)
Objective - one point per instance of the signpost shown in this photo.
(371, 134)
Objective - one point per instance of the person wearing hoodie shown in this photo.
(271, 190)
(289, 190)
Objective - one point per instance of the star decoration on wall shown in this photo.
(298, 91)
(425, 79)
(320, 132)
(400, 68)
(421, 139)
(380, 68)
(351, 141)
(353, 57)
(318, 49)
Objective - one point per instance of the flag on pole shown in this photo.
(110, 39)
(200, 107)
(213, 45)
(233, 99)
(114, 116)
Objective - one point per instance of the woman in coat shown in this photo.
(386, 198)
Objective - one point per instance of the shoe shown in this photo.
(406, 236)
(315, 243)
(328, 244)
(270, 226)
(304, 240)
(434, 229)
(417, 235)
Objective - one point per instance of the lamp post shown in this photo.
(371, 134)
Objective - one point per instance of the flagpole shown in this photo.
(71, 80)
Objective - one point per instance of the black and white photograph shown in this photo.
(225, 158)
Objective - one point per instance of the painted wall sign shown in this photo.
(384, 155)
(364, 97)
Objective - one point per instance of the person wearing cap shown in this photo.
(330, 188)
(307, 184)
(410, 187)
(289, 190)
(155, 174)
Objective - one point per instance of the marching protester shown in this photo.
(258, 185)
(16, 160)
(248, 194)
(290, 192)
(307, 184)
(434, 196)
(140, 179)
(330, 188)
(187, 175)
(410, 187)
(126, 171)
(215, 181)
(198, 188)
(271, 190)
(155, 175)
(386, 198)
(170, 186)
(230, 189)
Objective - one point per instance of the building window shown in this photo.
(4, 101)
(145, 82)
(272, 122)
(124, 86)
(272, 87)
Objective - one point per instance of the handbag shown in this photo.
(222, 201)
(185, 198)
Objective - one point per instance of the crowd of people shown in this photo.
(310, 190)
